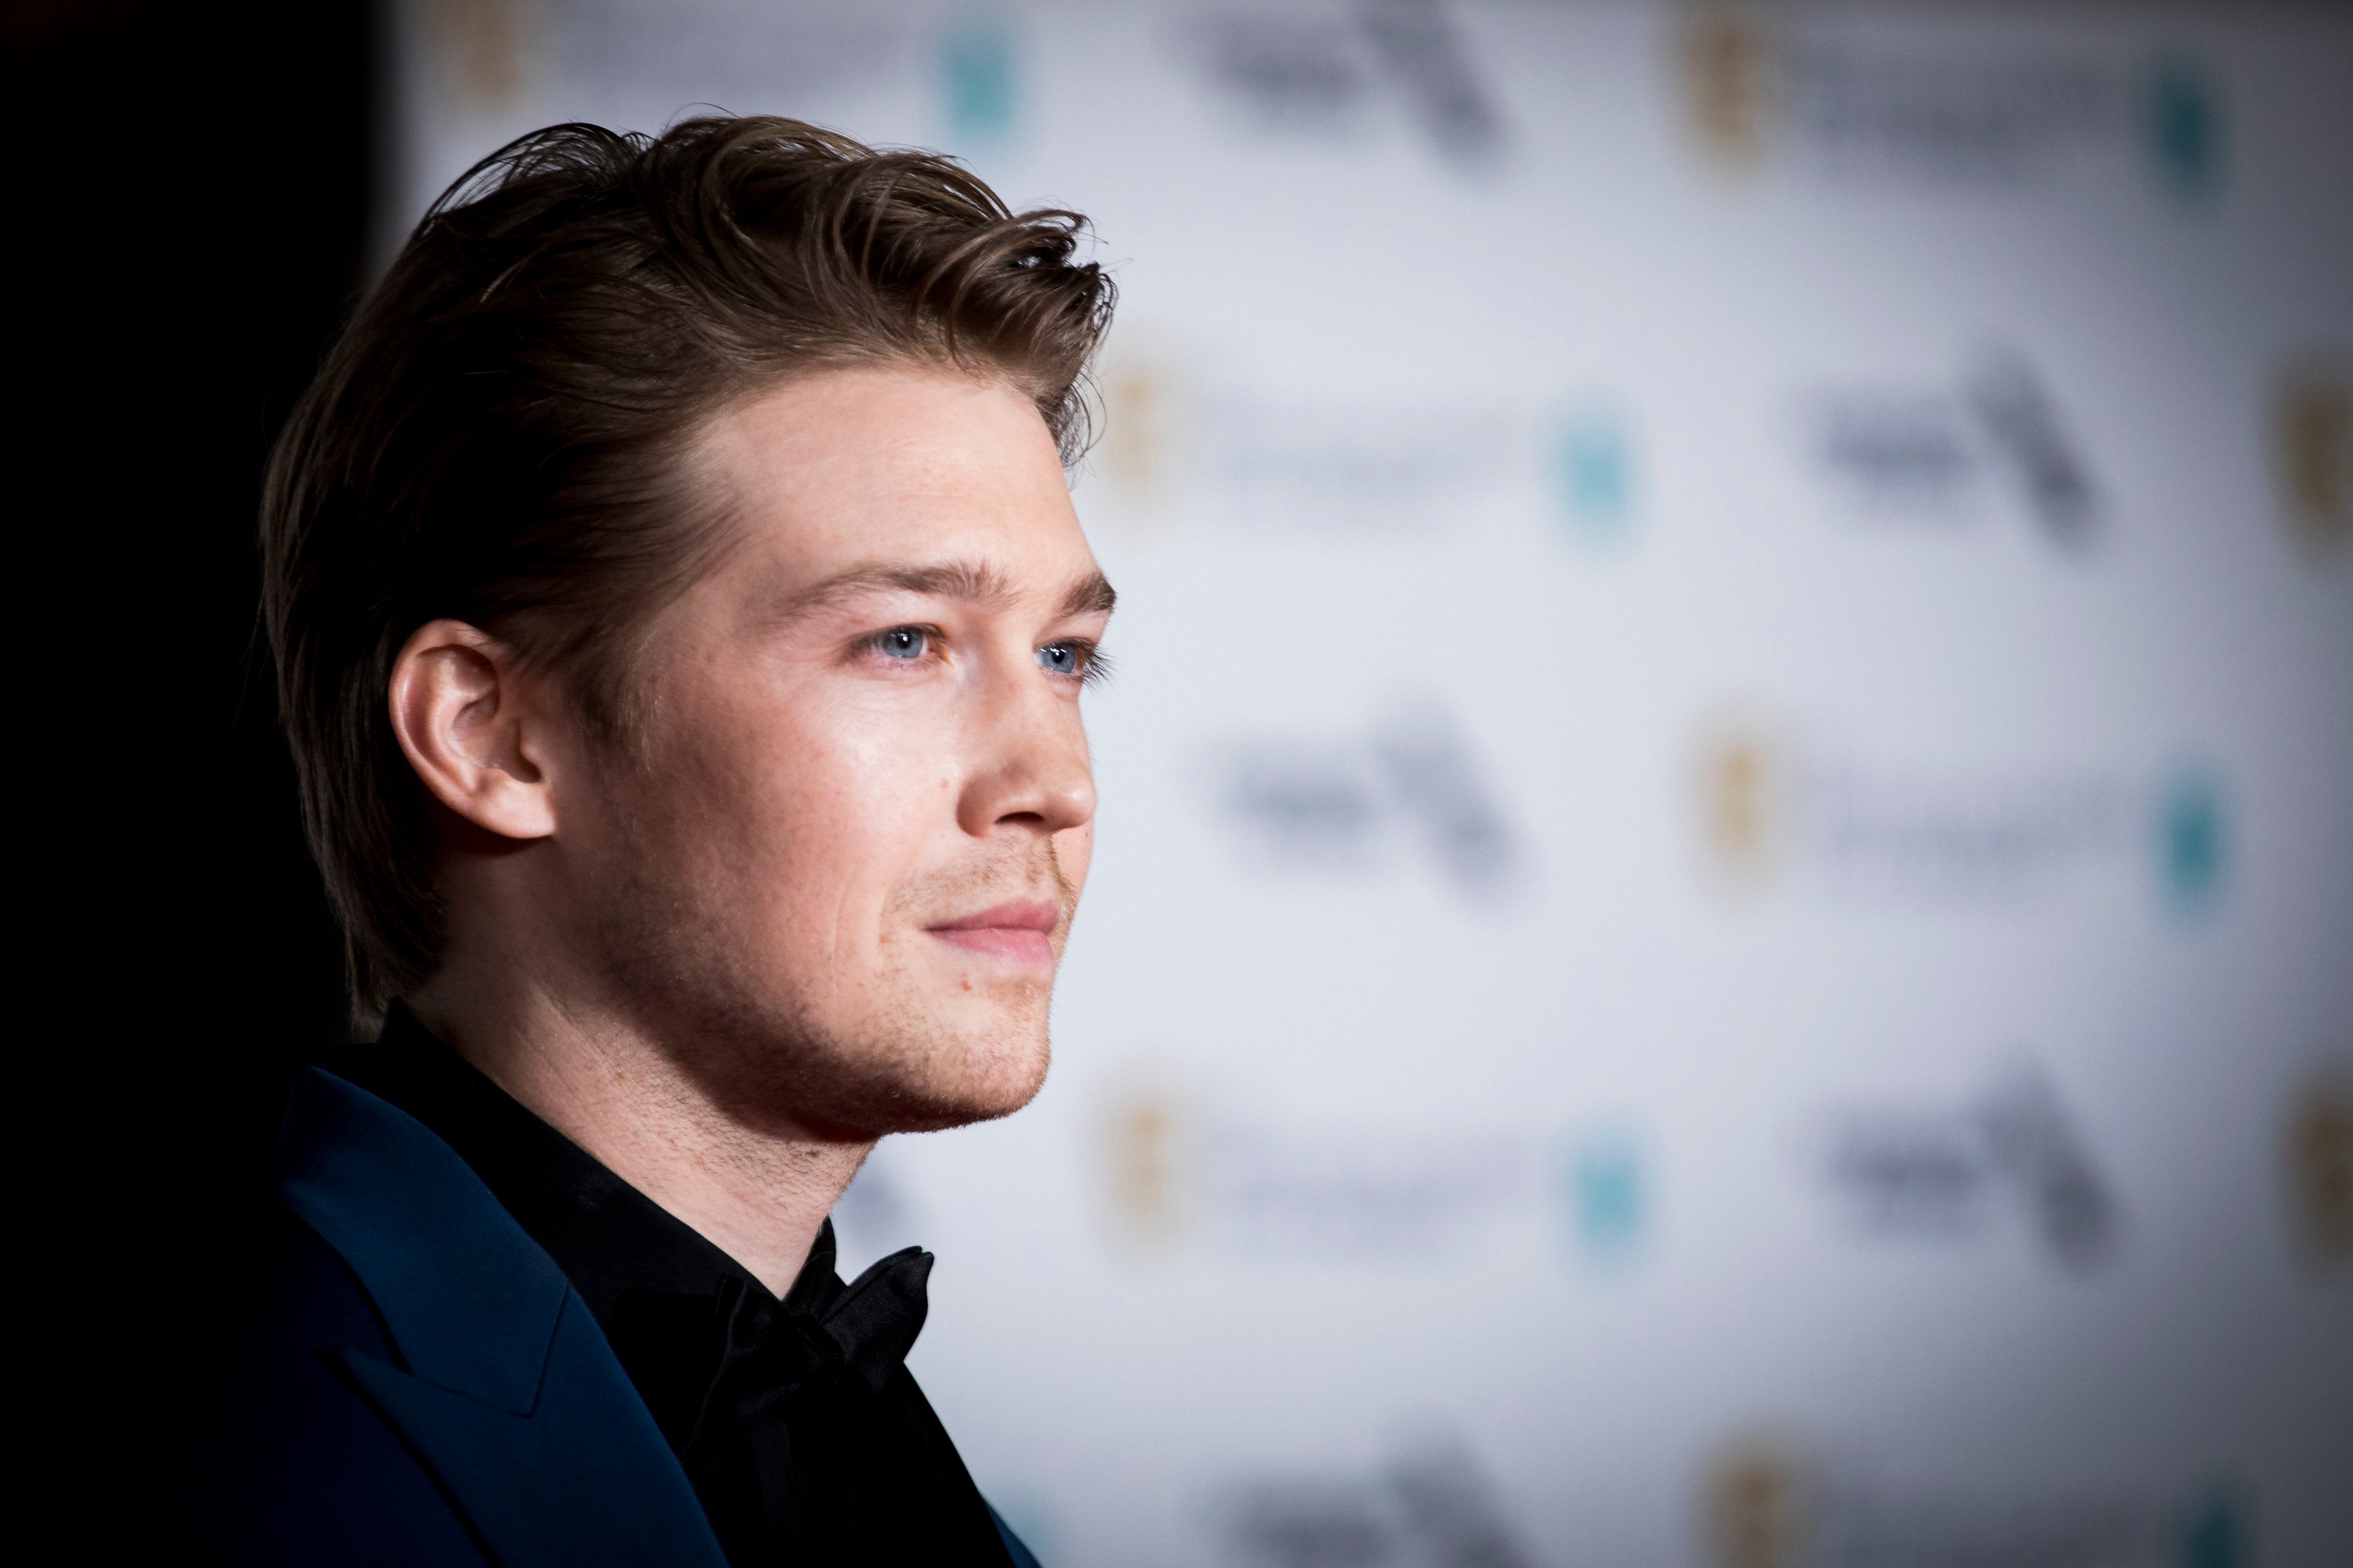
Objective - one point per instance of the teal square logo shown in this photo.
(2192, 841)
(1605, 1192)
(1593, 477)
(2215, 1534)
(2182, 124)
(979, 83)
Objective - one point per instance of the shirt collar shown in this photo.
(608, 1237)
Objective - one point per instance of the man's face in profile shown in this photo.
(835, 867)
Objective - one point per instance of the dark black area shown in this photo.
(190, 188)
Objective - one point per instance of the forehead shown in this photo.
(894, 464)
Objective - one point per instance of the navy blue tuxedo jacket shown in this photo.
(404, 1377)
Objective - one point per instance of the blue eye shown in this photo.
(1061, 659)
(904, 642)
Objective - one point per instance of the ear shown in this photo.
(476, 730)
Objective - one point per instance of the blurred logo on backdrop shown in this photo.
(753, 58)
(748, 56)
(1310, 1195)
(1353, 467)
(1294, 75)
(1606, 1192)
(1898, 452)
(1326, 75)
(1594, 476)
(1179, 1174)
(1151, 1158)
(1177, 443)
(1768, 1500)
(2024, 431)
(1133, 480)
(2192, 840)
(1139, 448)
(2317, 1167)
(2181, 116)
(1847, 101)
(1412, 783)
(979, 84)
(1757, 1504)
(1427, 60)
(2312, 450)
(1744, 803)
(1949, 1173)
(1730, 69)
(1931, 453)
(1430, 1506)
(2214, 1530)
(1768, 810)
(484, 49)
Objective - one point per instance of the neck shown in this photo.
(758, 1193)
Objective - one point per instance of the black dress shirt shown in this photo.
(796, 1419)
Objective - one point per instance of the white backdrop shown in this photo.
(1723, 927)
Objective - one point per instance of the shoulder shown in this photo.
(284, 1459)
(389, 1369)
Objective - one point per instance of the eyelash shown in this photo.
(1095, 665)
(1094, 669)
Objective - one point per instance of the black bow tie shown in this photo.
(771, 1350)
(794, 1419)
(714, 1367)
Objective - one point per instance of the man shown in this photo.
(680, 621)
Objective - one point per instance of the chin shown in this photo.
(978, 1083)
(901, 1057)
(908, 1073)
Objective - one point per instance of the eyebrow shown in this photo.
(1092, 595)
(974, 582)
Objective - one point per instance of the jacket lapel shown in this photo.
(507, 1388)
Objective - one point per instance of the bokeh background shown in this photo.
(1724, 926)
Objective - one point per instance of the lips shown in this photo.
(1020, 930)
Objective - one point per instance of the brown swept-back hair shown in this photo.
(500, 434)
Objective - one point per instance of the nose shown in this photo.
(1032, 772)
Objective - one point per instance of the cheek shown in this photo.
(830, 804)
